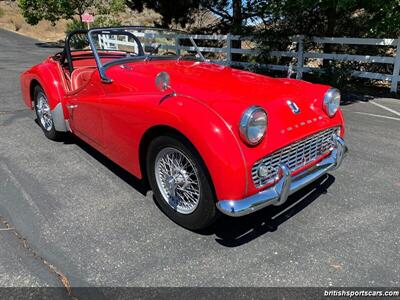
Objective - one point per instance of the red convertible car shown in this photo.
(206, 137)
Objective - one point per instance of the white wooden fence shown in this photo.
(297, 53)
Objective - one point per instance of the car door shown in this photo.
(84, 106)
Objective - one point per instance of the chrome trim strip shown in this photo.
(58, 118)
(286, 185)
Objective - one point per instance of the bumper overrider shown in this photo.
(286, 185)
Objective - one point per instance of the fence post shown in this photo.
(396, 69)
(177, 45)
(300, 57)
(229, 49)
(100, 42)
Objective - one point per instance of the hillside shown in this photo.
(11, 19)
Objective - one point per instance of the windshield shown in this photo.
(140, 43)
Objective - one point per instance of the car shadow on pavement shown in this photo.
(351, 98)
(59, 44)
(229, 232)
(139, 185)
(234, 232)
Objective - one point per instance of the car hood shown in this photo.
(230, 91)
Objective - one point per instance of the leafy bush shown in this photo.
(74, 25)
(99, 21)
(81, 41)
(337, 74)
(105, 21)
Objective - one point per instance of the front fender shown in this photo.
(214, 140)
(47, 76)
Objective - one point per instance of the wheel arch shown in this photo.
(34, 82)
(47, 75)
(54, 97)
(165, 130)
(209, 135)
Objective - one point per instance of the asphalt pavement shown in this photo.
(99, 226)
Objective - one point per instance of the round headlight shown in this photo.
(253, 125)
(331, 101)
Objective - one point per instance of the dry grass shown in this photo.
(11, 19)
(146, 18)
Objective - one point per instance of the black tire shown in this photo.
(51, 132)
(206, 212)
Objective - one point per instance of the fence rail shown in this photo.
(298, 53)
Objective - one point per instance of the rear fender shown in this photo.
(47, 76)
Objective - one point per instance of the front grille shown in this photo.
(295, 155)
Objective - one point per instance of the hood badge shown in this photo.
(293, 106)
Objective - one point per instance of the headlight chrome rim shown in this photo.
(331, 102)
(245, 120)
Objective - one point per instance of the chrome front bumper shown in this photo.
(286, 185)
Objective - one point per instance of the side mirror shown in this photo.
(163, 81)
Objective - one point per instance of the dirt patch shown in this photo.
(11, 19)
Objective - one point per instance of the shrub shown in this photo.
(1, 12)
(81, 41)
(337, 74)
(99, 21)
(105, 21)
(74, 25)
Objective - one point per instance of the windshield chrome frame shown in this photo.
(125, 30)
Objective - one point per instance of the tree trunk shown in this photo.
(331, 15)
(81, 10)
(236, 28)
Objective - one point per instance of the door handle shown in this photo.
(72, 106)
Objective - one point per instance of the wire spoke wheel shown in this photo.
(43, 112)
(177, 179)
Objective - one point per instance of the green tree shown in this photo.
(384, 18)
(331, 17)
(178, 11)
(232, 15)
(107, 12)
(52, 10)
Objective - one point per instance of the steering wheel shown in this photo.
(131, 54)
(170, 53)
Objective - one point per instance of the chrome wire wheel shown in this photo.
(43, 112)
(177, 179)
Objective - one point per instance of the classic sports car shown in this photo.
(206, 137)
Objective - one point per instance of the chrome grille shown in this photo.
(295, 155)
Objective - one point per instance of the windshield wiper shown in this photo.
(154, 50)
(197, 49)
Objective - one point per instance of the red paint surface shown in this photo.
(211, 99)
